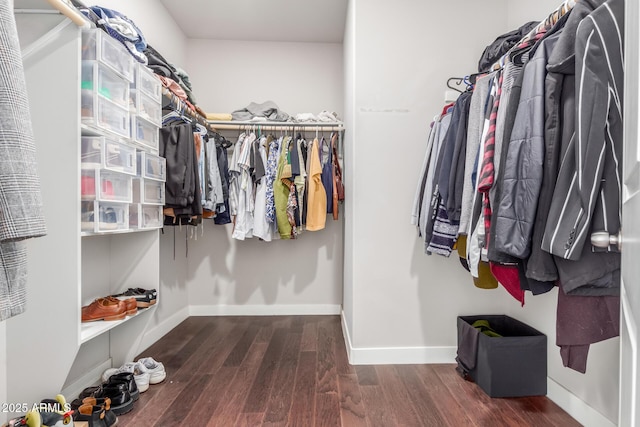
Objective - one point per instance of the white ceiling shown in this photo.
(321, 21)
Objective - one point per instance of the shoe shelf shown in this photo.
(90, 330)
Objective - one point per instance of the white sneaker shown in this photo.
(140, 374)
(156, 371)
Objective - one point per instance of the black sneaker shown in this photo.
(127, 378)
(144, 297)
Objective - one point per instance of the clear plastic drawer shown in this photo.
(152, 217)
(146, 107)
(148, 192)
(151, 166)
(98, 45)
(145, 217)
(101, 185)
(148, 83)
(100, 152)
(144, 132)
(104, 114)
(102, 81)
(98, 217)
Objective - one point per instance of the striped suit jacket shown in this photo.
(587, 197)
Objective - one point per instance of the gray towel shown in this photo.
(267, 109)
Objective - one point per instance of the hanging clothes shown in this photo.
(317, 198)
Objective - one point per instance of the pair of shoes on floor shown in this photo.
(120, 388)
(144, 297)
(95, 411)
(146, 371)
(109, 308)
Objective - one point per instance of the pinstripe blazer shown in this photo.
(21, 214)
(587, 193)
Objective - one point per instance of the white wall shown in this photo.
(599, 386)
(402, 298)
(299, 77)
(349, 53)
(241, 276)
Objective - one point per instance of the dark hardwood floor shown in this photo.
(293, 370)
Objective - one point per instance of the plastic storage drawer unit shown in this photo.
(98, 45)
(104, 114)
(143, 217)
(148, 83)
(98, 217)
(105, 186)
(151, 166)
(100, 152)
(102, 81)
(146, 107)
(148, 192)
(145, 133)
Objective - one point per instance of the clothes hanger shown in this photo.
(458, 81)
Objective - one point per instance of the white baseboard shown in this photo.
(91, 377)
(576, 407)
(395, 355)
(265, 310)
(163, 328)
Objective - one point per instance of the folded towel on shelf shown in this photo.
(268, 110)
(221, 117)
(305, 117)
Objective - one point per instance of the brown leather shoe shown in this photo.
(104, 309)
(131, 304)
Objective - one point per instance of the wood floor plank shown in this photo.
(447, 406)
(210, 397)
(376, 407)
(484, 411)
(553, 412)
(220, 353)
(327, 410)
(178, 360)
(173, 341)
(281, 396)
(526, 409)
(327, 374)
(155, 407)
(302, 411)
(179, 411)
(309, 336)
(367, 375)
(352, 412)
(217, 332)
(343, 367)
(230, 407)
(250, 420)
(297, 323)
(424, 405)
(397, 395)
(258, 397)
(239, 351)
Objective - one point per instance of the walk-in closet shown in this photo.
(236, 215)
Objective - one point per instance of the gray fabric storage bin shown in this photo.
(513, 365)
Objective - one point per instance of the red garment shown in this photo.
(509, 277)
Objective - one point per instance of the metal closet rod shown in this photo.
(267, 126)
